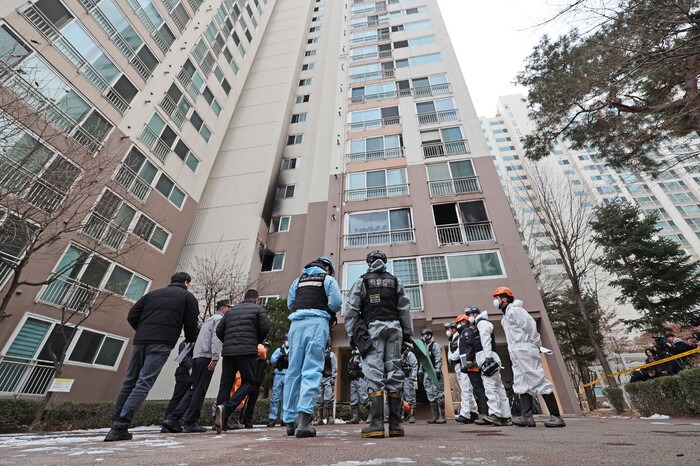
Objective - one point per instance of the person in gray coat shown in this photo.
(326, 393)
(377, 307)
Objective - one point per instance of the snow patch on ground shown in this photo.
(376, 461)
(516, 459)
(656, 416)
(460, 460)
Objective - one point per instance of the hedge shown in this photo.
(17, 415)
(674, 395)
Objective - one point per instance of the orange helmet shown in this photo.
(461, 317)
(503, 290)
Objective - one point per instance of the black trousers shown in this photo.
(477, 383)
(250, 404)
(182, 384)
(193, 399)
(244, 364)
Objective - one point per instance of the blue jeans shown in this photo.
(144, 367)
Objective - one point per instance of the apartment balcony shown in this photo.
(54, 36)
(376, 192)
(434, 118)
(143, 16)
(374, 124)
(372, 56)
(440, 149)
(189, 85)
(414, 295)
(103, 230)
(465, 233)
(25, 377)
(463, 185)
(381, 154)
(370, 24)
(70, 294)
(132, 182)
(16, 179)
(159, 148)
(361, 240)
(371, 39)
(429, 91)
(375, 7)
(173, 111)
(179, 17)
(358, 99)
(372, 76)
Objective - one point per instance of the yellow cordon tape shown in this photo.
(671, 358)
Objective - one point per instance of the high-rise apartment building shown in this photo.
(287, 130)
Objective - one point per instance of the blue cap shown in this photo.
(286, 336)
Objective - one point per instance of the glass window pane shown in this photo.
(118, 280)
(438, 172)
(137, 288)
(438, 79)
(451, 134)
(391, 142)
(55, 12)
(375, 179)
(86, 347)
(278, 261)
(177, 197)
(434, 268)
(400, 219)
(12, 51)
(396, 176)
(473, 211)
(353, 273)
(284, 224)
(97, 126)
(461, 169)
(368, 222)
(357, 146)
(164, 185)
(357, 181)
(406, 270)
(148, 58)
(156, 124)
(375, 144)
(425, 107)
(446, 104)
(95, 271)
(124, 216)
(109, 352)
(148, 172)
(159, 238)
(474, 265)
(192, 162)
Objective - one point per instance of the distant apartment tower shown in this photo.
(342, 127)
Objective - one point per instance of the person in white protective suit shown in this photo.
(468, 411)
(499, 407)
(524, 345)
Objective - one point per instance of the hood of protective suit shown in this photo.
(377, 266)
(516, 303)
(484, 315)
(313, 270)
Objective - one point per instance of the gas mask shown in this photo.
(471, 319)
(425, 338)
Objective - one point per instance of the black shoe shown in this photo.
(462, 419)
(118, 433)
(304, 430)
(194, 429)
(375, 427)
(248, 425)
(555, 421)
(395, 408)
(291, 428)
(172, 426)
(271, 423)
(219, 419)
(163, 430)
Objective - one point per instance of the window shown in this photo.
(445, 141)
(376, 148)
(285, 192)
(167, 188)
(209, 97)
(224, 82)
(305, 82)
(280, 224)
(445, 179)
(552, 261)
(265, 300)
(298, 117)
(290, 164)
(373, 118)
(307, 66)
(379, 227)
(688, 210)
(295, 139)
(315, 29)
(230, 60)
(681, 198)
(377, 183)
(312, 41)
(272, 261)
(310, 53)
(463, 222)
(302, 98)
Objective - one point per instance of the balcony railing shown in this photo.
(372, 56)
(370, 24)
(381, 154)
(155, 33)
(186, 81)
(414, 295)
(47, 29)
(435, 89)
(16, 179)
(25, 377)
(376, 192)
(439, 149)
(463, 233)
(173, 111)
(69, 293)
(358, 99)
(360, 240)
(132, 182)
(463, 185)
(156, 144)
(104, 231)
(372, 76)
(441, 116)
(8, 263)
(371, 39)
(373, 124)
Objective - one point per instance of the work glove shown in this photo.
(415, 385)
(352, 342)
(407, 342)
(464, 369)
(333, 321)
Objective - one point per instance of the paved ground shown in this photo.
(584, 440)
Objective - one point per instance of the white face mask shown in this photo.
(286, 344)
(448, 333)
(471, 319)
(496, 302)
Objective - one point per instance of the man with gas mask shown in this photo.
(468, 408)
(378, 321)
(435, 393)
(358, 386)
(280, 359)
(326, 394)
(524, 346)
(490, 365)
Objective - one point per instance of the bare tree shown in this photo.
(563, 214)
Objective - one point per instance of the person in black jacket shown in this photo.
(242, 329)
(261, 365)
(158, 318)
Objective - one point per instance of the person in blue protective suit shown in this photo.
(279, 359)
(377, 306)
(313, 298)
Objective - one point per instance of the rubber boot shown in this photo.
(441, 411)
(395, 408)
(436, 413)
(235, 422)
(386, 409)
(318, 415)
(376, 425)
(291, 428)
(411, 418)
(555, 420)
(304, 429)
(368, 407)
(329, 415)
(526, 406)
(483, 411)
(355, 415)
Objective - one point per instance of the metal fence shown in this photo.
(26, 377)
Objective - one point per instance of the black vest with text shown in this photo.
(454, 345)
(311, 294)
(381, 297)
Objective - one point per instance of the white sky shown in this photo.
(492, 38)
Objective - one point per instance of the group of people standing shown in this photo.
(379, 328)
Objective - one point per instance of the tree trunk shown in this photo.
(600, 354)
(589, 391)
(14, 284)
